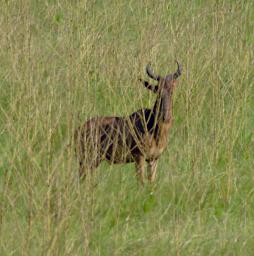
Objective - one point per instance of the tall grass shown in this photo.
(64, 61)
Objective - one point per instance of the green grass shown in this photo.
(64, 61)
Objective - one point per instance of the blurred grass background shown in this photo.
(64, 61)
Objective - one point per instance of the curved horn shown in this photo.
(151, 74)
(179, 70)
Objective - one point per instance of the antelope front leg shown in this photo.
(140, 168)
(152, 167)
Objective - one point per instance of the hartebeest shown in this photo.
(140, 137)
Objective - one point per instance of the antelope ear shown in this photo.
(175, 83)
(153, 88)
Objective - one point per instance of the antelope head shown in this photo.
(164, 90)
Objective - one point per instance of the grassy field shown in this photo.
(64, 61)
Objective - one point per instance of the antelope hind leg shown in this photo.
(87, 168)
